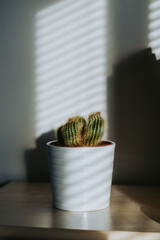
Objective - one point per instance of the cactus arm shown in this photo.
(60, 136)
(100, 132)
(72, 134)
(82, 125)
(95, 129)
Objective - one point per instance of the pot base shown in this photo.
(83, 210)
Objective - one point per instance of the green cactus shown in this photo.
(78, 132)
(95, 129)
(72, 134)
(82, 122)
(60, 135)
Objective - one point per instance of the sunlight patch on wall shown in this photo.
(70, 61)
(154, 26)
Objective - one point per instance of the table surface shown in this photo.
(29, 205)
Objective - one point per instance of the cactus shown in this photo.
(95, 129)
(78, 132)
(60, 135)
(82, 122)
(72, 134)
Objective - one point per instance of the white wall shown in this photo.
(17, 100)
(126, 31)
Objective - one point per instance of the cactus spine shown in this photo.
(78, 132)
(95, 129)
(81, 121)
(72, 132)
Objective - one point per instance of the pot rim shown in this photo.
(110, 143)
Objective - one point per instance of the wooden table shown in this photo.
(26, 212)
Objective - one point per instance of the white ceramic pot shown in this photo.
(81, 177)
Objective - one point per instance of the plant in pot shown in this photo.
(81, 165)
